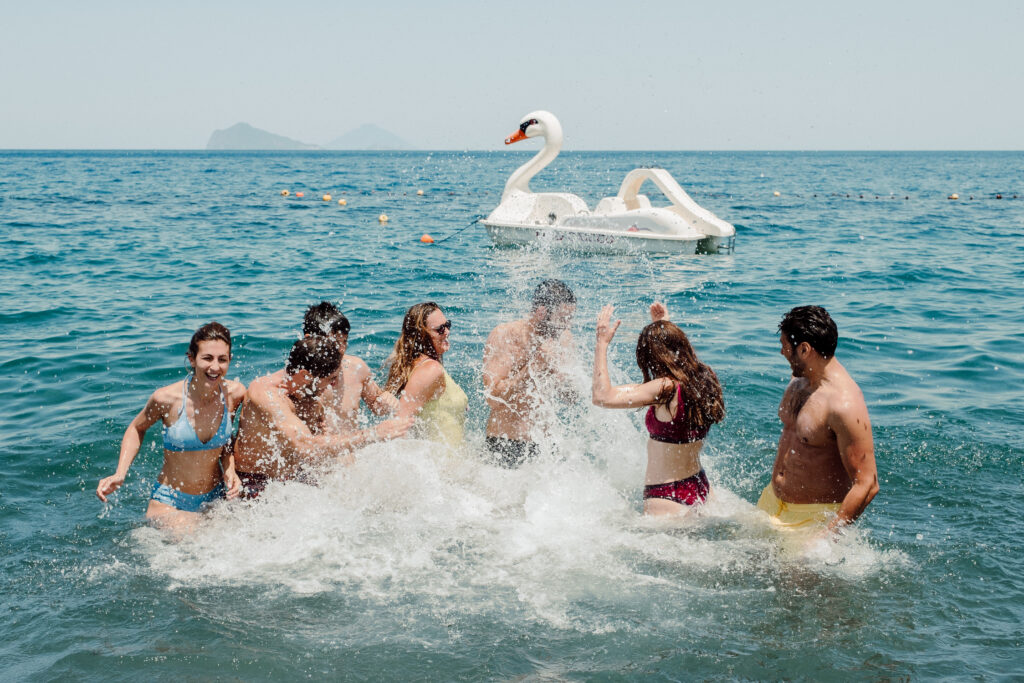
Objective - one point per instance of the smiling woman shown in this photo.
(197, 469)
(427, 390)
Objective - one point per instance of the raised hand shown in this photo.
(658, 312)
(605, 328)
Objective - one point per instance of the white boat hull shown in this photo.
(603, 241)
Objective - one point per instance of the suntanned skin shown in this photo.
(355, 383)
(283, 426)
(427, 379)
(826, 451)
(666, 462)
(192, 472)
(516, 356)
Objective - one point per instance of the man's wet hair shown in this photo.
(325, 318)
(317, 355)
(551, 294)
(811, 324)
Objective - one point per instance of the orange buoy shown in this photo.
(427, 239)
(342, 202)
(327, 197)
(300, 194)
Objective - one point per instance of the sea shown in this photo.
(418, 563)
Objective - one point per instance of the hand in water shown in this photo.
(232, 484)
(605, 328)
(108, 485)
(658, 312)
(393, 428)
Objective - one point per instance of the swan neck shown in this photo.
(520, 179)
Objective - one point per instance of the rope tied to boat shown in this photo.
(462, 229)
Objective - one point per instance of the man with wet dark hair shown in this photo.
(355, 382)
(282, 424)
(520, 358)
(825, 473)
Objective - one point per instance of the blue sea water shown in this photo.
(411, 565)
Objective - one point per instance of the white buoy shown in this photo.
(342, 202)
(383, 218)
(419, 193)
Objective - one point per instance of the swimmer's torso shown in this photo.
(444, 418)
(668, 462)
(808, 468)
(514, 416)
(197, 471)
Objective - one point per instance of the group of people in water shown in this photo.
(307, 413)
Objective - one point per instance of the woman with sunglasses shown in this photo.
(425, 390)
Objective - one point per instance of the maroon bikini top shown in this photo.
(678, 430)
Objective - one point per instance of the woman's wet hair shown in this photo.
(552, 293)
(209, 332)
(317, 355)
(413, 341)
(663, 350)
(811, 324)
(325, 318)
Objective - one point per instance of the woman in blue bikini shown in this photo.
(196, 414)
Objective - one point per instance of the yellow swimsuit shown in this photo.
(444, 418)
(794, 515)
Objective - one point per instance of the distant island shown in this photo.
(242, 136)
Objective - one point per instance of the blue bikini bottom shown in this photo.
(168, 495)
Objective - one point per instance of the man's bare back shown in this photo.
(272, 425)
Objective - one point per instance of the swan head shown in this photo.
(537, 124)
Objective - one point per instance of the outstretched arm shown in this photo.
(852, 428)
(319, 446)
(130, 443)
(626, 395)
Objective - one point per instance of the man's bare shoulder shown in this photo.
(263, 389)
(165, 398)
(506, 332)
(355, 366)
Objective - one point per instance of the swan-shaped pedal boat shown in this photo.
(624, 223)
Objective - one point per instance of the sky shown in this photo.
(648, 75)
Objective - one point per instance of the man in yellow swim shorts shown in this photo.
(824, 474)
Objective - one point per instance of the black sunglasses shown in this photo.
(446, 325)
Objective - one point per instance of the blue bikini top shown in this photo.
(181, 436)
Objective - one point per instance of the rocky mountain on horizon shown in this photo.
(244, 136)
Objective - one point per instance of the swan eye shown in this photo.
(526, 124)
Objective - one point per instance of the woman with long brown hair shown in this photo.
(417, 376)
(685, 399)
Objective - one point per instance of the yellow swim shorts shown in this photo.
(795, 515)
